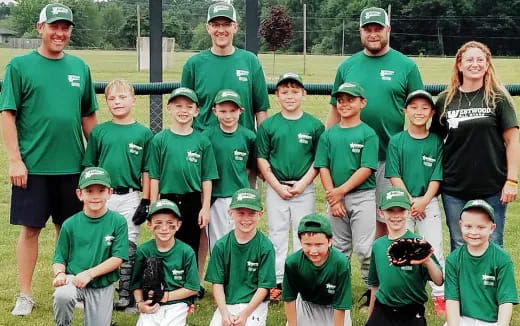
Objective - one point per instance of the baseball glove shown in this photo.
(153, 279)
(406, 252)
(141, 213)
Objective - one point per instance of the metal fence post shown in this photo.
(155, 63)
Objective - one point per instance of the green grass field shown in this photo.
(107, 65)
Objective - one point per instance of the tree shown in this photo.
(113, 19)
(201, 39)
(277, 29)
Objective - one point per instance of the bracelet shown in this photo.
(58, 273)
(512, 182)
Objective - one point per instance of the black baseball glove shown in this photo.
(141, 213)
(406, 252)
(153, 279)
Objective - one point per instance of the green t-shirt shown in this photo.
(387, 80)
(242, 268)
(207, 73)
(289, 145)
(474, 160)
(49, 98)
(234, 152)
(179, 267)
(480, 284)
(416, 161)
(328, 284)
(344, 150)
(121, 150)
(181, 162)
(398, 286)
(86, 242)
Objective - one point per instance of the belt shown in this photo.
(287, 183)
(123, 190)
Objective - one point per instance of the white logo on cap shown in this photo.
(161, 203)
(370, 14)
(348, 85)
(57, 10)
(183, 89)
(228, 93)
(290, 74)
(394, 193)
(218, 8)
(478, 202)
(243, 196)
(91, 173)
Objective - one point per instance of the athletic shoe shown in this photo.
(191, 310)
(24, 305)
(439, 306)
(366, 295)
(275, 294)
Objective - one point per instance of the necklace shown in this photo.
(474, 96)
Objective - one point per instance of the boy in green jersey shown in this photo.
(182, 166)
(347, 159)
(286, 145)
(480, 279)
(241, 266)
(414, 163)
(234, 148)
(179, 265)
(120, 147)
(398, 292)
(317, 280)
(91, 246)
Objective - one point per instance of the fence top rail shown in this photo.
(160, 88)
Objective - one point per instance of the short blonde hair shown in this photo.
(119, 84)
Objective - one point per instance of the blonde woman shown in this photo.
(475, 115)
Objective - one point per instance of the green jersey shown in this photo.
(181, 162)
(397, 286)
(416, 161)
(242, 268)
(344, 150)
(207, 73)
(234, 152)
(86, 242)
(179, 267)
(121, 150)
(387, 81)
(49, 98)
(480, 284)
(328, 284)
(289, 145)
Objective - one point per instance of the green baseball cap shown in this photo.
(94, 176)
(394, 197)
(315, 223)
(184, 91)
(222, 9)
(292, 76)
(54, 12)
(350, 88)
(419, 94)
(164, 205)
(482, 205)
(227, 95)
(246, 198)
(374, 15)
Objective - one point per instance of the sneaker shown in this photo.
(191, 309)
(122, 303)
(24, 305)
(275, 294)
(439, 306)
(366, 302)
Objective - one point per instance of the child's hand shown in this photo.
(203, 217)
(227, 319)
(283, 191)
(147, 307)
(334, 196)
(82, 279)
(59, 280)
(240, 319)
(297, 188)
(338, 210)
(418, 208)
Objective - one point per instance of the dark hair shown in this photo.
(313, 233)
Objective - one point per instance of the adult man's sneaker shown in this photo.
(24, 305)
(364, 300)
(275, 294)
(439, 306)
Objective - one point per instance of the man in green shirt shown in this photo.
(48, 104)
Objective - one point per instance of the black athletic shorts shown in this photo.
(45, 195)
(409, 315)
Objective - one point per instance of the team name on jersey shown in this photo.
(386, 74)
(428, 161)
(108, 240)
(488, 280)
(239, 156)
(178, 274)
(331, 288)
(406, 268)
(304, 138)
(252, 266)
(356, 148)
(74, 80)
(242, 75)
(455, 117)
(192, 157)
(134, 149)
